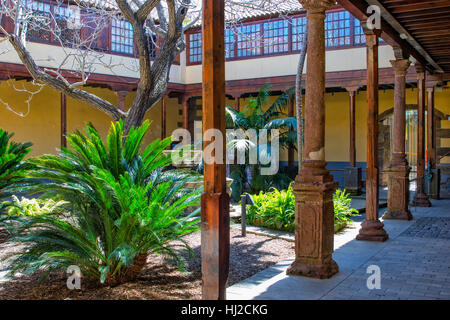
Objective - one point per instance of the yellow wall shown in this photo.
(42, 125)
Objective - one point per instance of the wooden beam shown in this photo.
(215, 239)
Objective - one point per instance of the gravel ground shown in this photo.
(160, 279)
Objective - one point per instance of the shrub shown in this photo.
(276, 209)
(12, 167)
(123, 207)
(33, 207)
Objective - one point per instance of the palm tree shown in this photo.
(260, 114)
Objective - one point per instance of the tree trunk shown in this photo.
(298, 98)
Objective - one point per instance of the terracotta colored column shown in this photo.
(372, 229)
(314, 186)
(215, 239)
(398, 170)
(352, 146)
(63, 120)
(185, 113)
(421, 198)
(163, 116)
(352, 173)
(121, 95)
(237, 105)
(431, 125)
(291, 150)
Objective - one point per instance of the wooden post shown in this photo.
(352, 106)
(163, 116)
(237, 105)
(185, 114)
(421, 198)
(121, 95)
(372, 229)
(63, 120)
(431, 125)
(398, 170)
(314, 186)
(215, 239)
(291, 150)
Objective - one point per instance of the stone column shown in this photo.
(421, 198)
(372, 229)
(314, 186)
(352, 174)
(398, 170)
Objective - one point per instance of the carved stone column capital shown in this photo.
(316, 6)
(400, 66)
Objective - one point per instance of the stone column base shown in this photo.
(421, 200)
(352, 180)
(398, 193)
(314, 222)
(372, 230)
(324, 270)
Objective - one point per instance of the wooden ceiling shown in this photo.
(428, 22)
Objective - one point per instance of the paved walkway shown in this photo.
(414, 264)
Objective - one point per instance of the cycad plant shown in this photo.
(124, 207)
(12, 166)
(260, 114)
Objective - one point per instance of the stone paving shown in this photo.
(414, 264)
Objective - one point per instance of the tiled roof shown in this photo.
(235, 10)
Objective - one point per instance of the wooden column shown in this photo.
(185, 113)
(121, 95)
(352, 146)
(63, 120)
(291, 152)
(421, 198)
(371, 228)
(431, 125)
(237, 105)
(215, 239)
(163, 116)
(314, 186)
(398, 170)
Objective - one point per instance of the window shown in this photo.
(195, 47)
(359, 37)
(229, 44)
(122, 37)
(39, 26)
(249, 40)
(337, 29)
(63, 30)
(276, 36)
(298, 32)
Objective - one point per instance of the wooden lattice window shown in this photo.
(121, 36)
(249, 40)
(337, 29)
(298, 32)
(229, 44)
(40, 24)
(63, 30)
(276, 36)
(359, 37)
(195, 47)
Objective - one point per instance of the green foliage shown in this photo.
(33, 207)
(123, 207)
(12, 167)
(260, 114)
(276, 209)
(342, 209)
